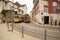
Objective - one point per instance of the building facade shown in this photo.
(2, 6)
(47, 11)
(12, 9)
(17, 8)
(24, 8)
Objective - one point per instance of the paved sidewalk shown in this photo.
(46, 25)
(15, 35)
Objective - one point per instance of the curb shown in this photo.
(47, 25)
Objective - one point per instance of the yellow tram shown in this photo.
(18, 19)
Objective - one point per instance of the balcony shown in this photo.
(45, 0)
(54, 0)
(5, 0)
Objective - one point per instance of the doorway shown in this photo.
(46, 19)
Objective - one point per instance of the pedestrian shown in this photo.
(51, 20)
(55, 22)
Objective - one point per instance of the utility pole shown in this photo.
(12, 14)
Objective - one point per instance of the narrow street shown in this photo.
(29, 19)
(37, 31)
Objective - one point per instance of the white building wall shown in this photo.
(45, 3)
(24, 9)
(55, 4)
(41, 10)
(41, 7)
(58, 17)
(2, 5)
(15, 8)
(9, 6)
(39, 17)
(20, 12)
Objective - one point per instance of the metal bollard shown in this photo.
(12, 27)
(22, 32)
(8, 25)
(45, 34)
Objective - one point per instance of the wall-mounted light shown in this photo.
(41, 13)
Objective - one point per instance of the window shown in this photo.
(38, 1)
(45, 9)
(42, 18)
(22, 12)
(58, 4)
(15, 12)
(54, 9)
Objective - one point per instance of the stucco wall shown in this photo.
(9, 6)
(2, 5)
(24, 9)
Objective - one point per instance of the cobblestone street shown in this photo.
(15, 35)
